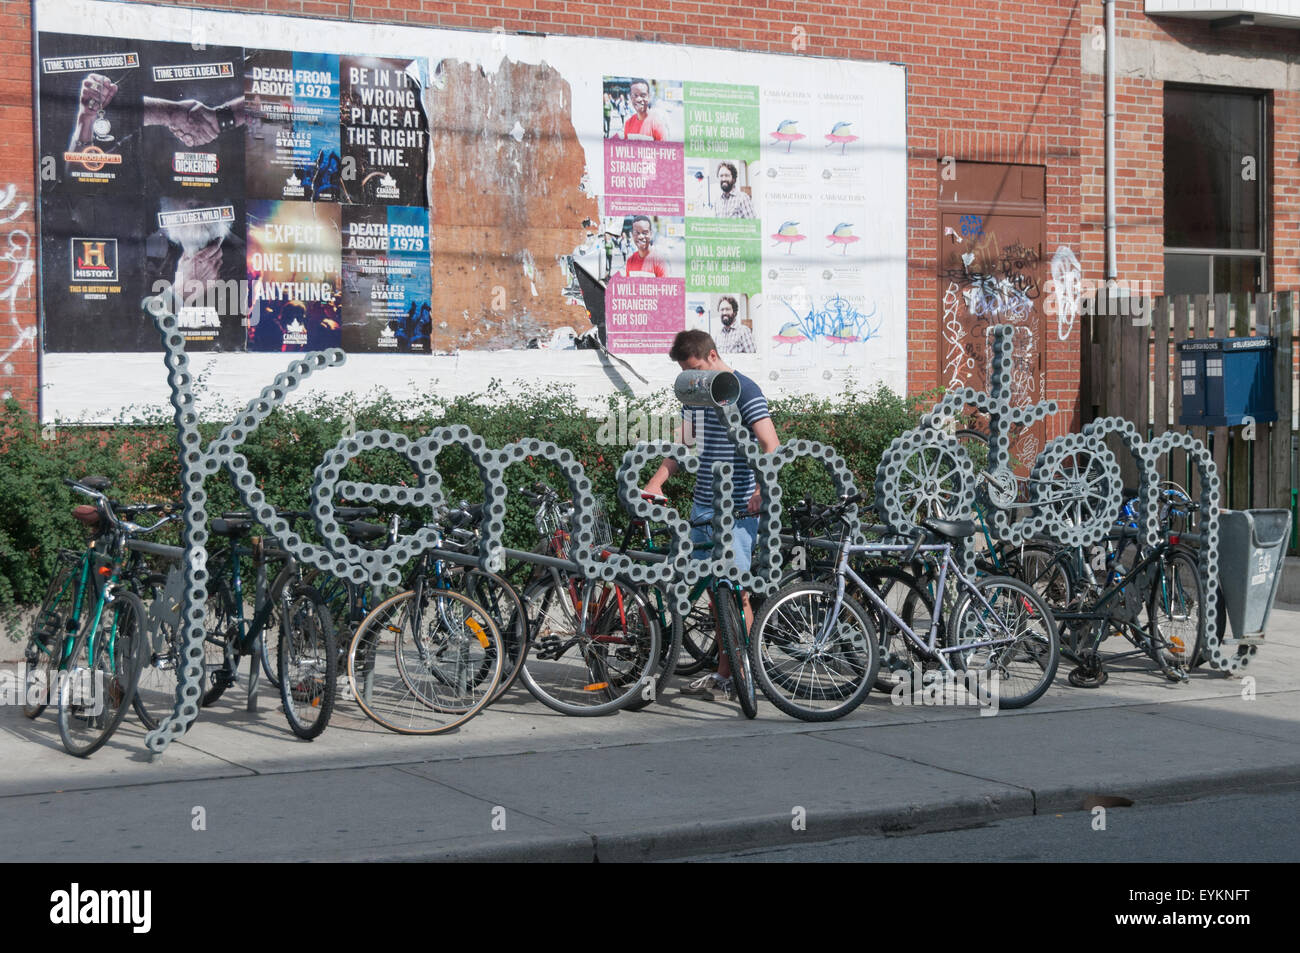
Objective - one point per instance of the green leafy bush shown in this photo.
(284, 452)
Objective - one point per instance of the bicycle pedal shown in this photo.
(547, 648)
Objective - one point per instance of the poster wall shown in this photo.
(424, 198)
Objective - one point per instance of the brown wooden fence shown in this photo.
(1130, 369)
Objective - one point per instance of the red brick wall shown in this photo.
(993, 80)
(18, 364)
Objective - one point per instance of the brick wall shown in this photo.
(18, 364)
(994, 80)
(1139, 149)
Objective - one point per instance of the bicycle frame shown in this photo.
(1097, 611)
(930, 645)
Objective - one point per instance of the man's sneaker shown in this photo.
(711, 686)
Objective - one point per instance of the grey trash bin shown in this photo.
(1251, 546)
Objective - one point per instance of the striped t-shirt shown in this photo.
(715, 445)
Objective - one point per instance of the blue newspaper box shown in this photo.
(1226, 380)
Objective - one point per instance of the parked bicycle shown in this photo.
(89, 635)
(816, 650)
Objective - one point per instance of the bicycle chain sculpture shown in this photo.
(1075, 488)
(344, 559)
(924, 472)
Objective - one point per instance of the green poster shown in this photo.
(721, 121)
(724, 255)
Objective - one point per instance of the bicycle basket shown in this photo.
(601, 536)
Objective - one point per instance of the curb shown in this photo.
(700, 839)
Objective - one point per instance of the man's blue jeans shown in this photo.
(746, 532)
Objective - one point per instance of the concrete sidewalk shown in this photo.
(683, 777)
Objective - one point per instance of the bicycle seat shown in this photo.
(85, 513)
(951, 529)
(232, 528)
(364, 532)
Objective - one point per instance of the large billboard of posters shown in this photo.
(428, 200)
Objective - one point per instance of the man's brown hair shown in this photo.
(688, 344)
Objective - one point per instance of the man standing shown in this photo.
(732, 203)
(734, 338)
(643, 124)
(696, 351)
(644, 259)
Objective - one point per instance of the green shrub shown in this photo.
(284, 452)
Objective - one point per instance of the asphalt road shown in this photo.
(1241, 828)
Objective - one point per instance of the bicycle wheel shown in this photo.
(424, 664)
(98, 682)
(735, 642)
(220, 643)
(1175, 614)
(591, 670)
(495, 594)
(806, 677)
(699, 647)
(268, 641)
(1020, 659)
(670, 646)
(1041, 567)
(161, 662)
(308, 662)
(905, 597)
(50, 634)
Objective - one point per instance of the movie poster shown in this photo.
(193, 188)
(292, 127)
(92, 114)
(387, 286)
(384, 131)
(91, 279)
(293, 271)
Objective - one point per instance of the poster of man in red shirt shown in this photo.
(644, 109)
(645, 260)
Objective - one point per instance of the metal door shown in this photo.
(991, 271)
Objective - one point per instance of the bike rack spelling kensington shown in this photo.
(676, 573)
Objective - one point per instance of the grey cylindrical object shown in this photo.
(707, 388)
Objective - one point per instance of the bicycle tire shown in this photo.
(220, 643)
(43, 655)
(1176, 615)
(413, 665)
(99, 680)
(698, 639)
(569, 671)
(501, 600)
(268, 640)
(161, 662)
(735, 642)
(902, 592)
(1043, 568)
(670, 648)
(1026, 667)
(307, 662)
(796, 675)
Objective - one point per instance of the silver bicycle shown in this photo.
(817, 649)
